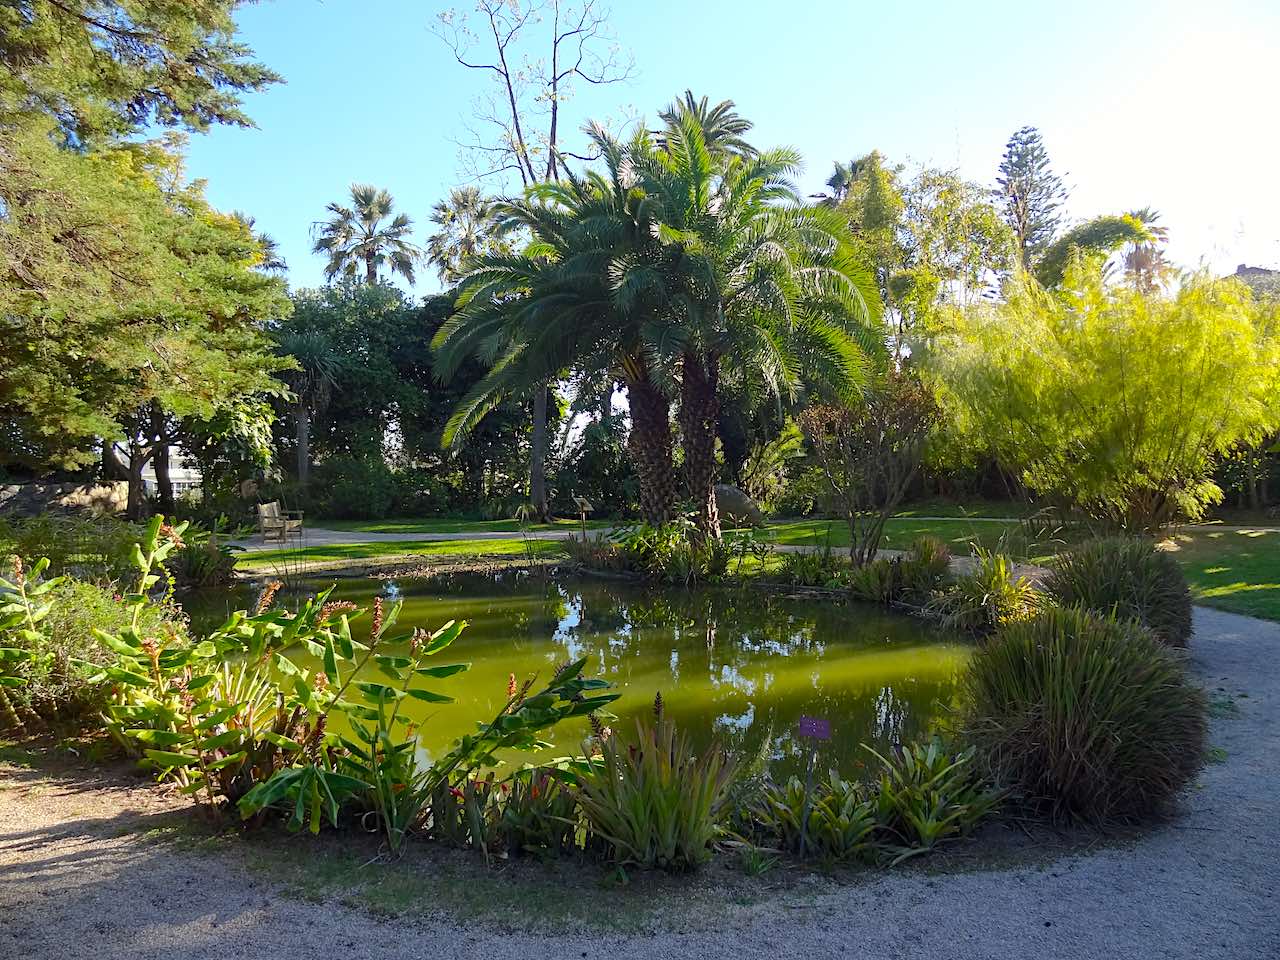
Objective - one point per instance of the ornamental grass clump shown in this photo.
(1130, 578)
(1087, 719)
(653, 802)
(991, 595)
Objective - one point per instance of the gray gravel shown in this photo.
(76, 880)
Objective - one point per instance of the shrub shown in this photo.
(203, 559)
(924, 794)
(673, 552)
(928, 794)
(62, 656)
(1130, 578)
(814, 568)
(90, 548)
(418, 492)
(354, 488)
(1086, 718)
(895, 580)
(989, 596)
(653, 802)
(597, 552)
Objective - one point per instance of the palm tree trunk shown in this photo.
(649, 444)
(303, 416)
(370, 270)
(699, 413)
(538, 454)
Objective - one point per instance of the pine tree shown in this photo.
(1030, 193)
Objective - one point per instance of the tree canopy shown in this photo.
(1110, 398)
(103, 68)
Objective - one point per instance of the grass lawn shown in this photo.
(385, 550)
(420, 525)
(958, 534)
(1236, 570)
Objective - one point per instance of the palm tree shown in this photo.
(362, 236)
(839, 184)
(272, 261)
(721, 125)
(466, 227)
(681, 264)
(311, 382)
(1145, 263)
(766, 288)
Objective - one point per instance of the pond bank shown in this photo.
(82, 874)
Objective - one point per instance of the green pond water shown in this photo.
(735, 664)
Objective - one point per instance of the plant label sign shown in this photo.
(815, 728)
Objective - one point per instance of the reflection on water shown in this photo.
(738, 664)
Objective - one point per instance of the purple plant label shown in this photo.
(815, 728)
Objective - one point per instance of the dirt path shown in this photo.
(82, 875)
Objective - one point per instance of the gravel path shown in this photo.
(78, 880)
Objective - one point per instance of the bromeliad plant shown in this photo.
(654, 802)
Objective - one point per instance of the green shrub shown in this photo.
(354, 488)
(909, 578)
(204, 559)
(814, 568)
(924, 794)
(63, 657)
(673, 552)
(928, 794)
(90, 548)
(1129, 577)
(653, 802)
(989, 596)
(931, 562)
(1086, 718)
(418, 492)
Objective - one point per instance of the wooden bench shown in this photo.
(277, 524)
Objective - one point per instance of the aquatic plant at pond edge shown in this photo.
(653, 801)
(989, 596)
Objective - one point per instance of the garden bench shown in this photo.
(277, 524)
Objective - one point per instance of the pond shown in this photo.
(735, 664)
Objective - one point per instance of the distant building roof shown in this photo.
(1263, 282)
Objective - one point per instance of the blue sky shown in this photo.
(1163, 104)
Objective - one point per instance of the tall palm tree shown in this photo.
(767, 289)
(679, 264)
(721, 125)
(365, 234)
(563, 304)
(466, 226)
(1145, 263)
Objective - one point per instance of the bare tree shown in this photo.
(535, 52)
(869, 454)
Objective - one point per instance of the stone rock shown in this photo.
(736, 508)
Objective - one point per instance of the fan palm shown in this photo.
(465, 227)
(366, 235)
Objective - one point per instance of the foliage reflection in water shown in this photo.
(733, 663)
